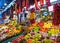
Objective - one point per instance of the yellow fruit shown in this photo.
(17, 31)
(47, 25)
(32, 15)
(35, 24)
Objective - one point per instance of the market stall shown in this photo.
(26, 22)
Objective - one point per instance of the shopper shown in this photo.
(22, 17)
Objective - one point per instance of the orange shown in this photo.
(29, 41)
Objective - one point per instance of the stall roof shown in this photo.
(4, 3)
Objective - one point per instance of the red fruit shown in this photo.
(14, 41)
(17, 39)
(21, 37)
(57, 42)
(41, 24)
(43, 29)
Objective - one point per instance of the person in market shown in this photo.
(22, 16)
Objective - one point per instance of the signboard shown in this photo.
(50, 8)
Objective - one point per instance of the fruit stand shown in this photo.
(30, 21)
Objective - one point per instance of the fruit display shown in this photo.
(29, 39)
(9, 29)
(30, 21)
(17, 40)
(47, 41)
(53, 32)
(37, 30)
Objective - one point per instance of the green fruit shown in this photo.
(27, 36)
(47, 41)
(36, 29)
(34, 41)
(53, 31)
(37, 36)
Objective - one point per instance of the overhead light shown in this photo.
(5, 4)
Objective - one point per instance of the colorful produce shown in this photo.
(47, 41)
(41, 24)
(29, 41)
(36, 29)
(47, 25)
(27, 36)
(53, 31)
(36, 37)
(9, 29)
(43, 29)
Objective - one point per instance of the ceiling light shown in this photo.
(5, 4)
